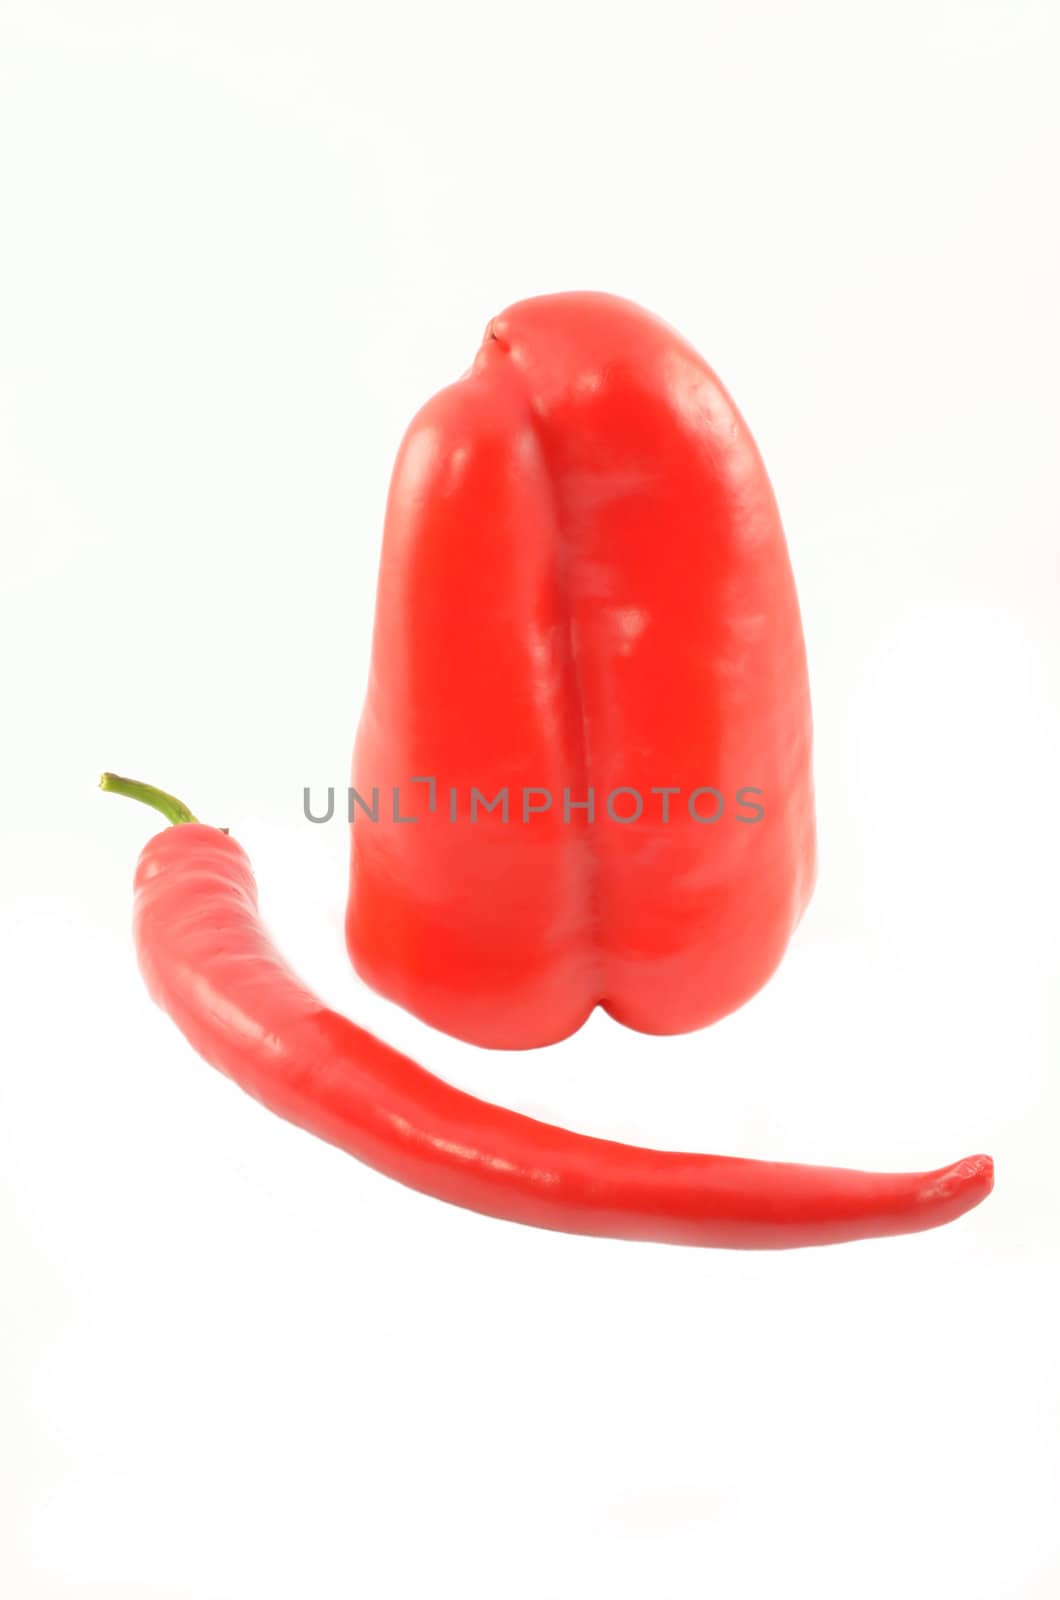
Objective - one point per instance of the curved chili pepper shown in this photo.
(208, 961)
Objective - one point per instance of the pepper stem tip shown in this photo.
(174, 810)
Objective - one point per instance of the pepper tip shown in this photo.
(967, 1182)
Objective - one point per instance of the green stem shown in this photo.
(172, 809)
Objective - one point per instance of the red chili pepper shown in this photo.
(585, 595)
(209, 963)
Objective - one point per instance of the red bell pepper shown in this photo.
(585, 598)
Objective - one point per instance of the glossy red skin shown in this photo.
(584, 581)
(209, 963)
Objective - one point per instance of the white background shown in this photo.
(241, 243)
